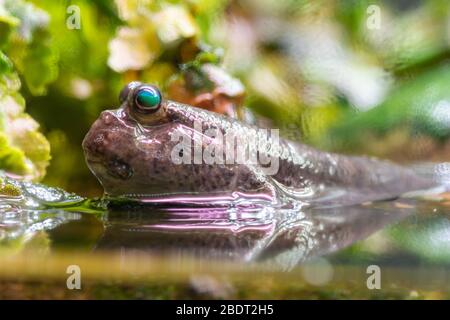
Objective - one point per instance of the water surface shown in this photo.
(314, 250)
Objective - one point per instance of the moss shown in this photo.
(7, 189)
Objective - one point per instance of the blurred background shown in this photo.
(359, 77)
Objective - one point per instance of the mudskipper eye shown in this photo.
(147, 99)
(126, 90)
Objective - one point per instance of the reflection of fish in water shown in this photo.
(280, 237)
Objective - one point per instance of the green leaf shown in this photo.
(23, 149)
(30, 46)
(11, 158)
(6, 65)
(421, 104)
(39, 66)
(7, 24)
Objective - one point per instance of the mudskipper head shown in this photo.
(136, 149)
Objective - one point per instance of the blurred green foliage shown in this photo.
(24, 53)
(325, 72)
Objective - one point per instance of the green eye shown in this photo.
(148, 99)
